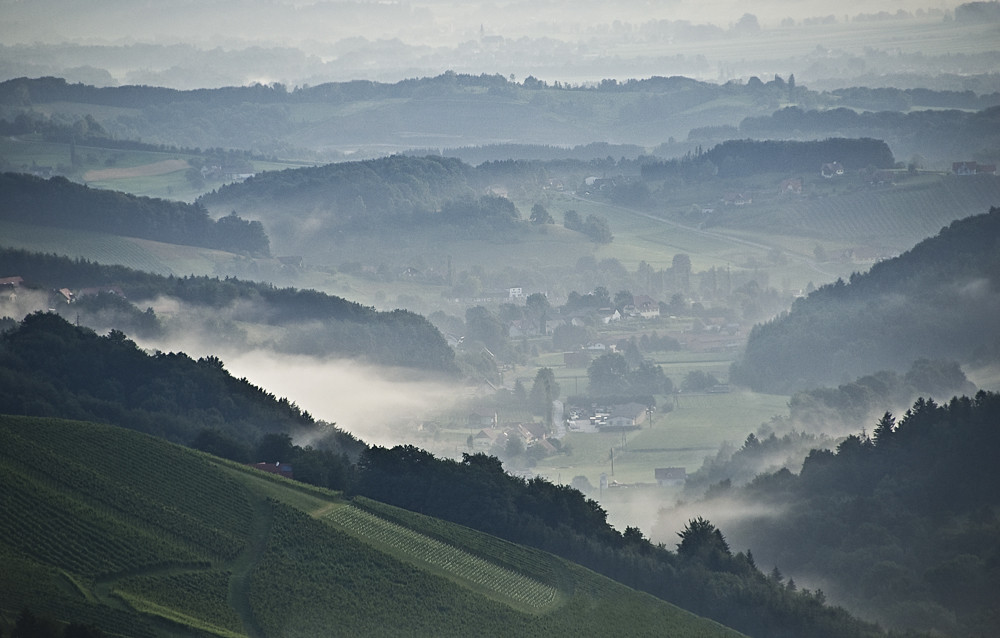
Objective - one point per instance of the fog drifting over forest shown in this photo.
(185, 44)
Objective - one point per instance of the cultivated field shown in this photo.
(495, 580)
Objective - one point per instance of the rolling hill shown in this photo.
(937, 301)
(140, 537)
(53, 369)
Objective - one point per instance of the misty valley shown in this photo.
(436, 322)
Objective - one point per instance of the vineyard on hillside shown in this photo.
(498, 581)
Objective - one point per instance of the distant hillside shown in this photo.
(940, 136)
(301, 321)
(61, 203)
(140, 538)
(739, 158)
(899, 525)
(305, 209)
(940, 300)
(331, 120)
(51, 368)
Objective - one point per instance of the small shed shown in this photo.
(279, 468)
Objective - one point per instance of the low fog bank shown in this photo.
(380, 406)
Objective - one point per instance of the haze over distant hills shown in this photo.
(181, 44)
(543, 253)
(939, 300)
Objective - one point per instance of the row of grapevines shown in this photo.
(526, 560)
(201, 594)
(123, 499)
(495, 578)
(57, 530)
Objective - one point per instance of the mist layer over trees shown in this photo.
(938, 300)
(898, 522)
(302, 321)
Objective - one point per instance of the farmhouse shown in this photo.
(9, 286)
(737, 199)
(627, 415)
(607, 315)
(646, 306)
(973, 168)
(484, 440)
(483, 416)
(670, 476)
(791, 186)
(831, 169)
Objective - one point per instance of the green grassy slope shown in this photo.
(144, 538)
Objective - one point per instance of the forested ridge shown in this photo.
(741, 158)
(899, 523)
(50, 89)
(315, 323)
(939, 300)
(58, 202)
(703, 575)
(944, 135)
(276, 121)
(52, 368)
(384, 194)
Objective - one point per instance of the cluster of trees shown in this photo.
(818, 407)
(394, 193)
(936, 301)
(815, 413)
(901, 524)
(594, 226)
(51, 368)
(741, 158)
(703, 576)
(59, 202)
(611, 374)
(685, 92)
(760, 453)
(108, 310)
(483, 218)
(945, 135)
(476, 155)
(386, 194)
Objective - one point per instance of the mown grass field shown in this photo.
(144, 538)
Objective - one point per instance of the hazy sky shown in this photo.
(298, 42)
(429, 22)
